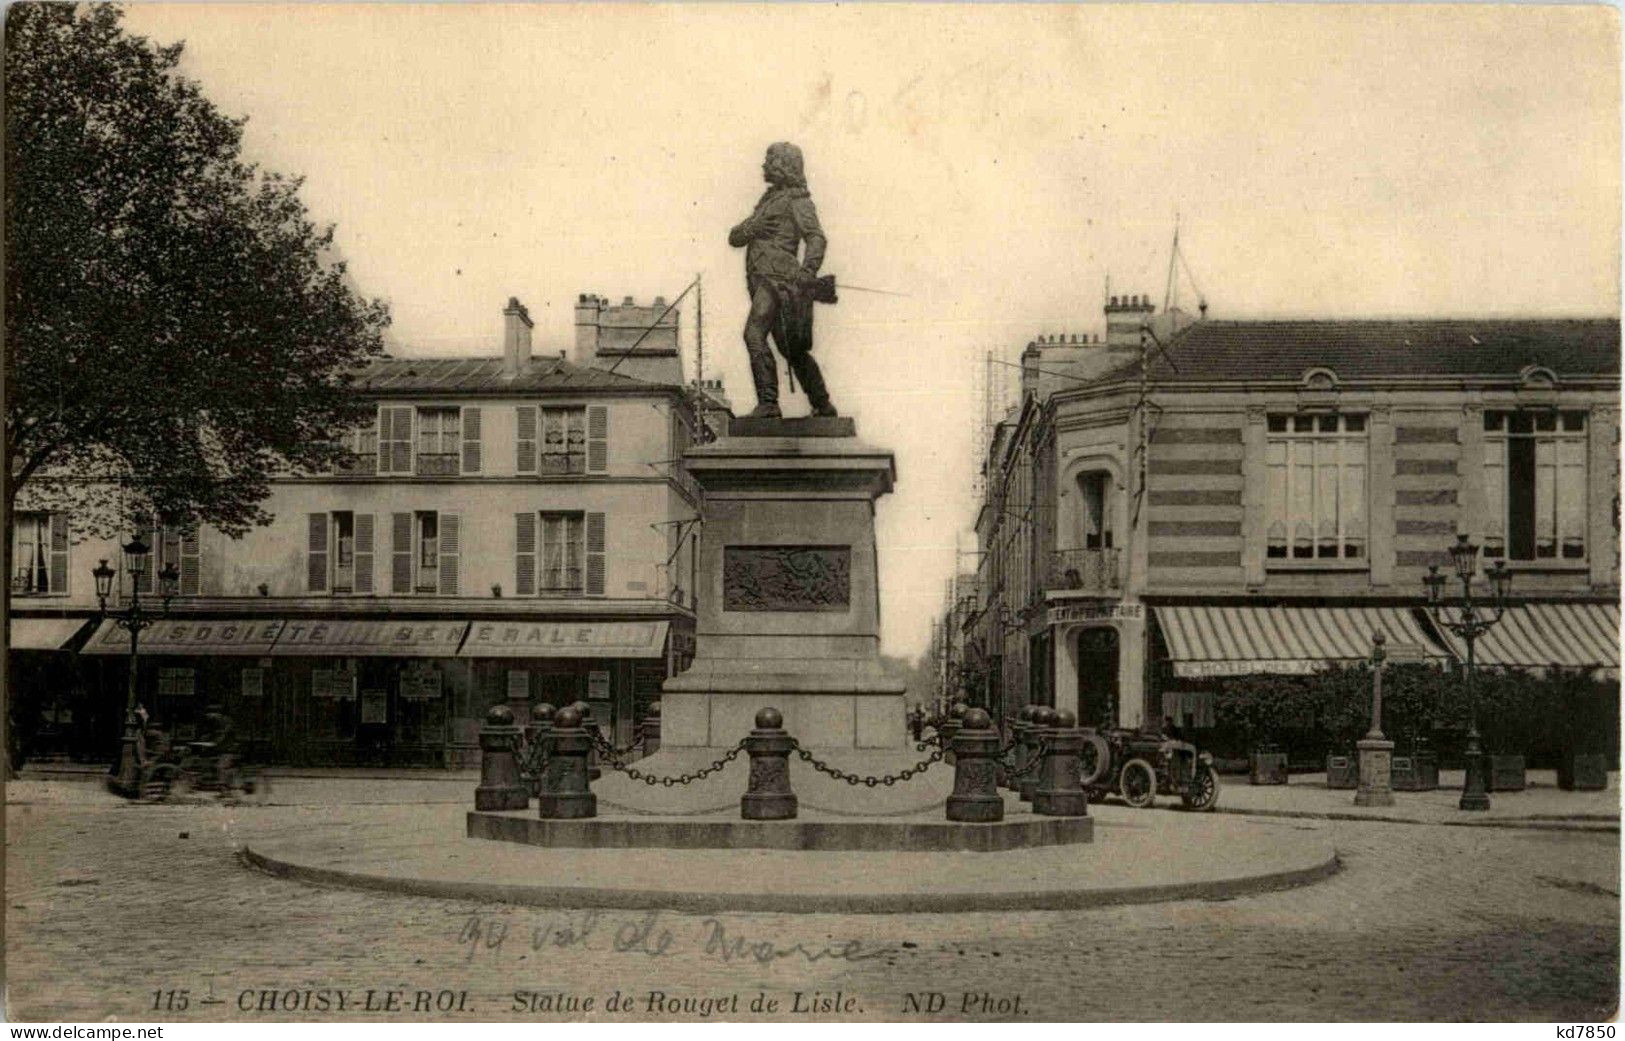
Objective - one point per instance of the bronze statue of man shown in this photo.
(783, 281)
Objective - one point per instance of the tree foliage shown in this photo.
(176, 327)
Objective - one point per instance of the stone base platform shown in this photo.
(1139, 857)
(526, 828)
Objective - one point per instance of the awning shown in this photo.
(1232, 641)
(1538, 636)
(323, 639)
(244, 636)
(566, 640)
(43, 634)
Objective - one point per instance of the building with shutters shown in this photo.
(508, 527)
(1207, 499)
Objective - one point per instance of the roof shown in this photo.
(1248, 350)
(484, 375)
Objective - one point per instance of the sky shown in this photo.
(995, 164)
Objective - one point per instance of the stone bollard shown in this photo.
(1010, 778)
(768, 797)
(565, 793)
(651, 729)
(976, 745)
(948, 728)
(590, 725)
(539, 734)
(500, 787)
(1038, 728)
(1060, 778)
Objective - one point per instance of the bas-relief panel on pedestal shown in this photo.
(786, 578)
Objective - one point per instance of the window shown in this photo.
(425, 553)
(177, 683)
(559, 554)
(362, 448)
(1096, 490)
(343, 552)
(1316, 500)
(427, 545)
(1535, 485)
(564, 441)
(395, 440)
(340, 552)
(560, 571)
(39, 553)
(440, 441)
(171, 545)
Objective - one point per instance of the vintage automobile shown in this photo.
(1139, 766)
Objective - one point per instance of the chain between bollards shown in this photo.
(613, 758)
(868, 781)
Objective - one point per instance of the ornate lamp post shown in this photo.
(1469, 621)
(133, 619)
(1376, 751)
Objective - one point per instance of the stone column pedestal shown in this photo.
(1376, 764)
(789, 596)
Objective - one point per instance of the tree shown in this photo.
(177, 329)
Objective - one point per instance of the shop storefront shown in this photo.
(322, 692)
(52, 706)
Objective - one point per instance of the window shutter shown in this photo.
(524, 554)
(362, 583)
(471, 440)
(59, 553)
(191, 565)
(386, 437)
(525, 445)
(316, 559)
(597, 439)
(595, 554)
(400, 446)
(449, 553)
(400, 570)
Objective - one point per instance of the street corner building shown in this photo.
(1181, 501)
(511, 528)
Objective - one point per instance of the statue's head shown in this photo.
(783, 165)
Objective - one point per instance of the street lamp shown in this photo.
(1469, 622)
(133, 619)
(1376, 751)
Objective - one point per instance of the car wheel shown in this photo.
(1138, 785)
(1203, 791)
(1096, 757)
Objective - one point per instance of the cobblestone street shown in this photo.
(113, 906)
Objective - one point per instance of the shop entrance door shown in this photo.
(1097, 677)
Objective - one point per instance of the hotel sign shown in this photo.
(1098, 611)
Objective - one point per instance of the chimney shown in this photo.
(516, 326)
(588, 305)
(636, 341)
(1124, 317)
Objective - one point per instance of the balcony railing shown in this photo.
(1084, 570)
(357, 463)
(437, 464)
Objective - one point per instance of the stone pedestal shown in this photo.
(789, 598)
(1376, 760)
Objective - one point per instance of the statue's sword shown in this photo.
(865, 289)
